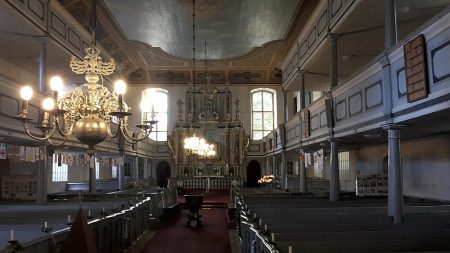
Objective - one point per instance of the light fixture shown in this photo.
(90, 111)
(192, 143)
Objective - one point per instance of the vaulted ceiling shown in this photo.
(151, 40)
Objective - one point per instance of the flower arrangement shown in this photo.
(266, 179)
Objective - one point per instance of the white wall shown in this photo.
(134, 95)
(425, 163)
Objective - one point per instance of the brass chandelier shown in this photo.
(90, 111)
(193, 144)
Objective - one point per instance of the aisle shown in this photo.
(177, 237)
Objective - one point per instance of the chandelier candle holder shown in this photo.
(89, 110)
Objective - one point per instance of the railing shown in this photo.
(254, 237)
(114, 233)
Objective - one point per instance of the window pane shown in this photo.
(267, 101)
(162, 136)
(160, 102)
(257, 135)
(268, 121)
(266, 133)
(257, 121)
(153, 136)
(257, 101)
(162, 122)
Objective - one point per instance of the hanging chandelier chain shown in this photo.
(93, 23)
(193, 43)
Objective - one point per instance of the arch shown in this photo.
(253, 173)
(162, 173)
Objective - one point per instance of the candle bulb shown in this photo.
(12, 234)
(68, 218)
(290, 249)
(45, 225)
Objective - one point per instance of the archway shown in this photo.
(162, 173)
(253, 173)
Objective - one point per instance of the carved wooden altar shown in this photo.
(208, 113)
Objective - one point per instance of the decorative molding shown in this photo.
(352, 101)
(401, 78)
(371, 101)
(444, 51)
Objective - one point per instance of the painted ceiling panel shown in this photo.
(231, 27)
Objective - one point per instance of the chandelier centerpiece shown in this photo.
(91, 112)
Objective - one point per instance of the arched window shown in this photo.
(263, 112)
(157, 99)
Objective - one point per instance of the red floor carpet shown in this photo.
(212, 237)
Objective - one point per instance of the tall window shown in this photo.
(156, 98)
(291, 168)
(344, 165)
(59, 169)
(97, 169)
(263, 112)
(114, 169)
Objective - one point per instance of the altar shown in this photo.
(207, 112)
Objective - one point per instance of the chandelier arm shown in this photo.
(26, 127)
(54, 143)
(110, 133)
(126, 132)
(61, 131)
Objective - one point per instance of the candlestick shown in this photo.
(120, 102)
(45, 119)
(290, 249)
(24, 107)
(12, 234)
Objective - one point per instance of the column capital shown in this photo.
(42, 39)
(333, 37)
(302, 71)
(393, 126)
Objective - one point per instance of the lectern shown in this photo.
(194, 203)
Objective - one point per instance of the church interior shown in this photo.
(275, 126)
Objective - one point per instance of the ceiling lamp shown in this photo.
(90, 111)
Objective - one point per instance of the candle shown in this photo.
(254, 215)
(115, 206)
(46, 119)
(45, 225)
(68, 218)
(290, 249)
(120, 102)
(12, 234)
(152, 111)
(265, 227)
(260, 222)
(89, 213)
(103, 209)
(272, 235)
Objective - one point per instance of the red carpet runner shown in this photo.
(178, 238)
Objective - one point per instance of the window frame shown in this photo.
(344, 165)
(156, 134)
(262, 112)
